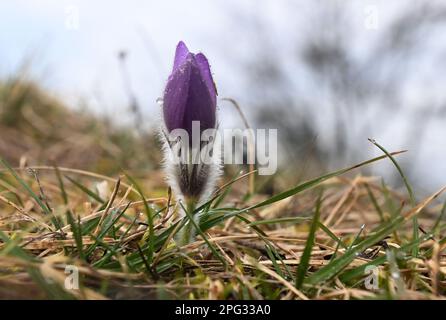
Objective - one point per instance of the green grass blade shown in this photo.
(279, 220)
(312, 183)
(440, 218)
(291, 192)
(77, 234)
(332, 235)
(298, 219)
(400, 171)
(197, 227)
(305, 259)
(87, 191)
(150, 217)
(272, 257)
(375, 202)
(11, 247)
(26, 187)
(409, 191)
(61, 185)
(338, 264)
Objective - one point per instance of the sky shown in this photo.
(72, 49)
(74, 44)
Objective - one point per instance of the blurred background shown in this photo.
(79, 80)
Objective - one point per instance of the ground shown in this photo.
(85, 213)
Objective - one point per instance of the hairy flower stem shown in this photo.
(187, 234)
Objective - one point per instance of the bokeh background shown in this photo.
(327, 74)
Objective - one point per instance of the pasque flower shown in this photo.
(190, 93)
(190, 96)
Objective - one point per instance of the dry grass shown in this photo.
(86, 213)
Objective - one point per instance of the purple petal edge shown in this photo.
(207, 75)
(181, 54)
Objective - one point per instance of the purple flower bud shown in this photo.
(190, 93)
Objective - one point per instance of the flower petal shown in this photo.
(180, 55)
(207, 75)
(190, 93)
(200, 104)
(175, 96)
